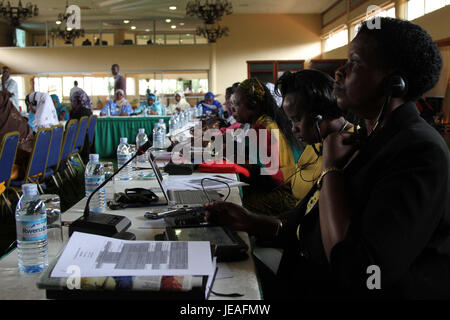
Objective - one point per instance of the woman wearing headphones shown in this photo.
(269, 168)
(381, 228)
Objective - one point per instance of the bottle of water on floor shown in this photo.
(123, 155)
(31, 226)
(94, 176)
(141, 139)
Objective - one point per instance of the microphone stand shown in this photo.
(104, 224)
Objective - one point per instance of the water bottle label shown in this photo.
(32, 230)
(122, 158)
(91, 183)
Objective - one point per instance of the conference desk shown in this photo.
(109, 130)
(14, 285)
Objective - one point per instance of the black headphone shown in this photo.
(317, 119)
(34, 102)
(395, 86)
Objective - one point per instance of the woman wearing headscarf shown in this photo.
(41, 105)
(152, 105)
(210, 104)
(61, 111)
(81, 104)
(180, 103)
(118, 107)
(11, 120)
(255, 106)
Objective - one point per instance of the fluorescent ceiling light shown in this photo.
(58, 21)
(181, 23)
(133, 27)
(172, 8)
(173, 27)
(147, 30)
(126, 21)
(168, 20)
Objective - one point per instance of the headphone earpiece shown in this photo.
(395, 86)
(317, 118)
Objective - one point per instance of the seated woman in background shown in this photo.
(11, 120)
(381, 227)
(152, 105)
(210, 104)
(61, 111)
(41, 106)
(255, 105)
(180, 103)
(118, 107)
(81, 105)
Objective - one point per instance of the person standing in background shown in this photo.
(119, 81)
(10, 85)
(74, 89)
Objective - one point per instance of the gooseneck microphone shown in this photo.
(105, 224)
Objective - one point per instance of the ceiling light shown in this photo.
(147, 30)
(188, 34)
(133, 27)
(181, 23)
(172, 8)
(173, 27)
(168, 20)
(126, 21)
(58, 22)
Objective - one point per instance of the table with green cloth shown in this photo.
(109, 130)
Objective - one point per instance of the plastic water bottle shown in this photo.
(31, 226)
(123, 155)
(200, 110)
(141, 139)
(94, 176)
(182, 120)
(164, 110)
(163, 125)
(172, 124)
(145, 112)
(108, 111)
(158, 137)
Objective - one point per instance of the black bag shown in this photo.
(135, 197)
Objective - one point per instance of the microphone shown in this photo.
(105, 224)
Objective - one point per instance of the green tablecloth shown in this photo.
(109, 130)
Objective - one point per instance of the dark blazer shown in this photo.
(399, 187)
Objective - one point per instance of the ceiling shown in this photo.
(141, 13)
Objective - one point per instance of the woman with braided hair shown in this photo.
(254, 105)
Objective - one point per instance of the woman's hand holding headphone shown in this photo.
(338, 148)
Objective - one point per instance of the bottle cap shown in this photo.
(142, 130)
(124, 140)
(93, 157)
(161, 120)
(29, 189)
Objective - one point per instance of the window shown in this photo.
(131, 87)
(385, 12)
(418, 8)
(20, 87)
(336, 39)
(172, 39)
(434, 5)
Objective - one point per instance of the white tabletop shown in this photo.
(15, 285)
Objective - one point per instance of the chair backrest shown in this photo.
(8, 151)
(55, 147)
(81, 134)
(91, 128)
(39, 155)
(69, 137)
